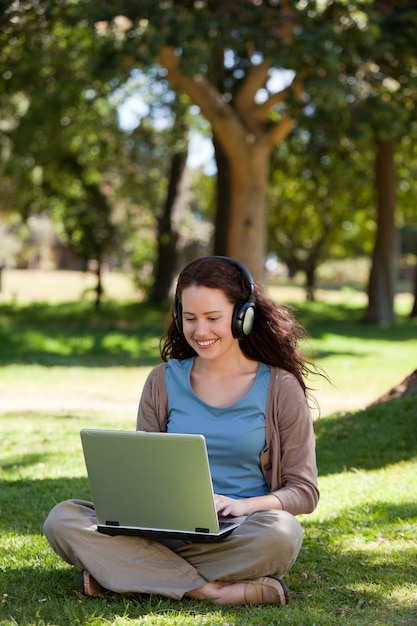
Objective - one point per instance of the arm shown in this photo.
(153, 406)
(288, 461)
(291, 456)
(245, 506)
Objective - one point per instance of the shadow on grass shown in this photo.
(362, 582)
(128, 334)
(71, 334)
(26, 503)
(381, 435)
(329, 583)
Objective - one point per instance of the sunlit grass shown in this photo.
(67, 345)
(357, 562)
(63, 367)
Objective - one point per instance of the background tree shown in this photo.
(169, 221)
(319, 198)
(406, 163)
(184, 37)
(65, 130)
(327, 47)
(227, 57)
(394, 91)
(374, 80)
(62, 143)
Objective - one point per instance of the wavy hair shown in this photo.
(275, 336)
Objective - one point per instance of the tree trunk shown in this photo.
(168, 232)
(247, 138)
(413, 312)
(216, 75)
(383, 279)
(310, 272)
(99, 285)
(247, 226)
(222, 217)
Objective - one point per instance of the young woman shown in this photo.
(232, 370)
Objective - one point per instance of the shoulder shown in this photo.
(287, 401)
(155, 381)
(179, 367)
(282, 380)
(156, 376)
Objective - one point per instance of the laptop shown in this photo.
(155, 485)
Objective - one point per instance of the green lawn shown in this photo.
(358, 562)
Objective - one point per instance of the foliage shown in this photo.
(70, 158)
(63, 134)
(352, 70)
(315, 213)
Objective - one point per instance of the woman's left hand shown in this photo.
(226, 506)
(229, 506)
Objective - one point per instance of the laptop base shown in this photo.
(195, 536)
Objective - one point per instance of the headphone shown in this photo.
(243, 315)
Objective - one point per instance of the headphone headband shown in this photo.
(243, 315)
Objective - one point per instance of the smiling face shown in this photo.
(207, 322)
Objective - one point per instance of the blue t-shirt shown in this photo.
(235, 435)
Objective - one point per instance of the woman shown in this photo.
(232, 371)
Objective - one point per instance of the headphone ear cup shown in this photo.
(178, 314)
(242, 320)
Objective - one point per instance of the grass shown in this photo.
(358, 559)
(63, 367)
(82, 353)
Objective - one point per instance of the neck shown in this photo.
(228, 364)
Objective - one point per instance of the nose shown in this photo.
(201, 327)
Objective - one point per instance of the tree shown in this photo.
(323, 49)
(369, 76)
(389, 70)
(169, 221)
(69, 158)
(382, 284)
(186, 37)
(328, 47)
(394, 85)
(407, 192)
(56, 130)
(319, 198)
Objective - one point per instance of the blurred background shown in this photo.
(137, 136)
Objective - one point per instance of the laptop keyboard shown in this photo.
(223, 524)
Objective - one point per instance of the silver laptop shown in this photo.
(155, 485)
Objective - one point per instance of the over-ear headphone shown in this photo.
(243, 314)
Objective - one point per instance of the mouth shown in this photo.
(206, 344)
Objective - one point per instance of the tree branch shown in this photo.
(261, 110)
(256, 78)
(219, 113)
(281, 130)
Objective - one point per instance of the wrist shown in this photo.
(259, 503)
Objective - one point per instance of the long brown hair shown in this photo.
(275, 334)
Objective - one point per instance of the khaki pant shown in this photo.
(266, 543)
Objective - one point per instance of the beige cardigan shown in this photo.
(288, 460)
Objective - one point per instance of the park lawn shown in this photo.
(357, 565)
(65, 356)
(358, 559)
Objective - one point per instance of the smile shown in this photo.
(205, 344)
